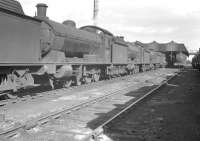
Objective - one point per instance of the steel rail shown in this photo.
(55, 91)
(54, 115)
(44, 119)
(99, 130)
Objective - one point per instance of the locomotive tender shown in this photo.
(37, 50)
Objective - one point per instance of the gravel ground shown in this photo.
(172, 115)
(28, 110)
(79, 124)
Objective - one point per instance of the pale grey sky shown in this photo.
(143, 20)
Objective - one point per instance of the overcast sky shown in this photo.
(143, 20)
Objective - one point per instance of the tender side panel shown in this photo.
(141, 56)
(146, 57)
(134, 53)
(19, 39)
(119, 54)
(154, 57)
(105, 50)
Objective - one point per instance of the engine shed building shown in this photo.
(176, 53)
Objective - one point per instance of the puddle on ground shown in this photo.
(71, 97)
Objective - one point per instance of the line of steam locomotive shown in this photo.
(37, 50)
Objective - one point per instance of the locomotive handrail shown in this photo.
(95, 27)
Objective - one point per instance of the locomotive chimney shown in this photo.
(41, 10)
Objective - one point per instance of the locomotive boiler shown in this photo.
(36, 50)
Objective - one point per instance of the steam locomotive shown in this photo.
(38, 50)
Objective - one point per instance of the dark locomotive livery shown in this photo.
(196, 61)
(37, 50)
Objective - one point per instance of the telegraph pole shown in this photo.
(95, 12)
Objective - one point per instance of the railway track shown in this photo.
(28, 95)
(80, 122)
(98, 132)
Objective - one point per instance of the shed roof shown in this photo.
(151, 46)
(164, 47)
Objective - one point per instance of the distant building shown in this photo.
(176, 53)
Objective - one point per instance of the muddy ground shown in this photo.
(172, 115)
